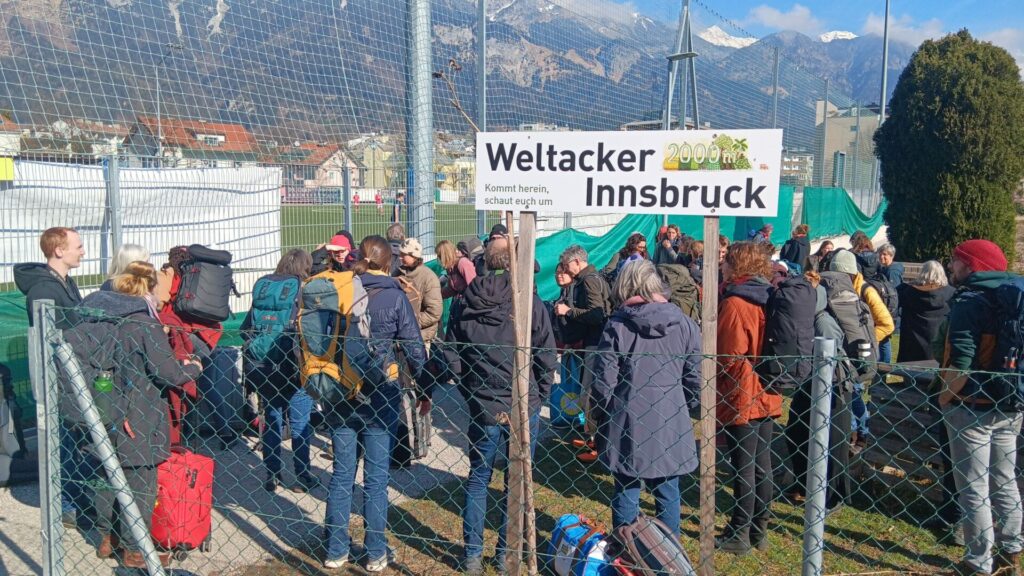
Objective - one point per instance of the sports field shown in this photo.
(306, 226)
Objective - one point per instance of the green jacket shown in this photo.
(971, 334)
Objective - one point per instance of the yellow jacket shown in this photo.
(884, 325)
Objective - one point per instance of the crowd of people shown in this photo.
(627, 333)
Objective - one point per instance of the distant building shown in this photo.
(797, 167)
(190, 144)
(543, 127)
(106, 139)
(10, 138)
(313, 172)
(850, 131)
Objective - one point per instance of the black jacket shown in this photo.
(923, 311)
(588, 299)
(486, 349)
(144, 365)
(796, 250)
(40, 282)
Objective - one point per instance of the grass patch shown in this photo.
(306, 226)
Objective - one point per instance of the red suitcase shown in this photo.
(184, 499)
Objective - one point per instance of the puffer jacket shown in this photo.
(646, 382)
(741, 322)
(392, 327)
(145, 366)
(884, 323)
(423, 289)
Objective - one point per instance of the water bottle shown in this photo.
(863, 350)
(103, 393)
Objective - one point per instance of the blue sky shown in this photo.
(1000, 21)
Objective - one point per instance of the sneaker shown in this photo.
(473, 566)
(588, 457)
(737, 543)
(336, 563)
(273, 481)
(377, 565)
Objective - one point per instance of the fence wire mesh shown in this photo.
(889, 506)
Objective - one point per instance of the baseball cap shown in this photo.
(339, 242)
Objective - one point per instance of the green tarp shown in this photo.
(831, 212)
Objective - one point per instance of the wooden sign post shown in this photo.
(708, 397)
(521, 531)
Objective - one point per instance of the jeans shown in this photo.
(76, 469)
(626, 500)
(983, 444)
(751, 458)
(859, 408)
(376, 444)
(485, 443)
(142, 482)
(885, 350)
(299, 407)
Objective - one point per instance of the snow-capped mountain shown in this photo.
(719, 37)
(837, 35)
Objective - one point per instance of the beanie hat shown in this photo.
(981, 256)
(844, 261)
(412, 247)
(338, 242)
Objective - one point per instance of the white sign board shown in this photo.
(697, 172)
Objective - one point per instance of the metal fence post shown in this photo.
(421, 122)
(48, 437)
(481, 92)
(105, 452)
(566, 220)
(817, 456)
(346, 192)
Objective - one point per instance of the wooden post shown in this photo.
(708, 397)
(521, 520)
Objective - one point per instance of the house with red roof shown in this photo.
(189, 143)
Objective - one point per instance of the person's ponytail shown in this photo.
(376, 256)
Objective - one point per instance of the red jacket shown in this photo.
(741, 319)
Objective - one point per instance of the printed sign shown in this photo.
(697, 172)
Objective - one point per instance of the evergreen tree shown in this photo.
(952, 149)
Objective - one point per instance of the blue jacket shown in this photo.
(646, 380)
(392, 327)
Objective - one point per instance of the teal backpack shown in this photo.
(274, 303)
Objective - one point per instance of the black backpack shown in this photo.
(682, 290)
(788, 335)
(1005, 387)
(206, 285)
(886, 291)
(854, 318)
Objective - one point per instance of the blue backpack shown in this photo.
(274, 303)
(1005, 386)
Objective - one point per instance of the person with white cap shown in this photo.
(422, 287)
(845, 262)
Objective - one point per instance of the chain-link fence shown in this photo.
(793, 485)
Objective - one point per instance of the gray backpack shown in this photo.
(854, 317)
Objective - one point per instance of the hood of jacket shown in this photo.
(868, 263)
(102, 305)
(488, 299)
(31, 273)
(931, 297)
(650, 319)
(821, 302)
(379, 282)
(754, 290)
(987, 280)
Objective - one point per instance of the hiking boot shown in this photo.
(759, 534)
(135, 559)
(734, 541)
(588, 457)
(108, 545)
(953, 534)
(473, 566)
(1006, 563)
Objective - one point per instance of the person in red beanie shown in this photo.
(982, 434)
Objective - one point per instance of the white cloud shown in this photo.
(1012, 39)
(798, 18)
(904, 28)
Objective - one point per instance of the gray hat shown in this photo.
(844, 261)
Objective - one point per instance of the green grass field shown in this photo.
(307, 226)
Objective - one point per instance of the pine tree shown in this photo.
(952, 150)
